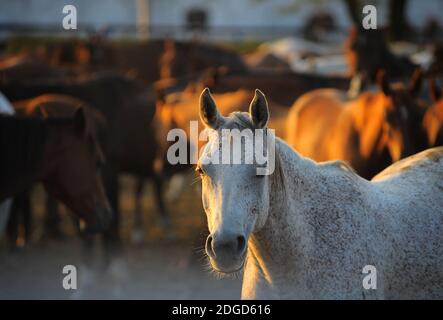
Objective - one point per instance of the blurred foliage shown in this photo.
(246, 46)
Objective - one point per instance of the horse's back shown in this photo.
(410, 226)
(428, 163)
(311, 119)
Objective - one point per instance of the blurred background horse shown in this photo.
(136, 68)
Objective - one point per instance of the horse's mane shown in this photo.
(22, 143)
(240, 120)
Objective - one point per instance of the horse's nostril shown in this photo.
(209, 248)
(222, 245)
(241, 243)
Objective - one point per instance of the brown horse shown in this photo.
(25, 66)
(367, 52)
(369, 132)
(285, 87)
(128, 107)
(185, 58)
(64, 155)
(48, 106)
(433, 119)
(147, 60)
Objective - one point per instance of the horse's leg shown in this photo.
(17, 212)
(52, 222)
(138, 230)
(27, 216)
(112, 190)
(12, 226)
(5, 211)
(110, 237)
(164, 216)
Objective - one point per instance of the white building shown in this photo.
(222, 18)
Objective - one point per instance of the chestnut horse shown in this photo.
(433, 119)
(64, 155)
(369, 132)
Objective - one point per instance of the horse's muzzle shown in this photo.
(226, 252)
(99, 221)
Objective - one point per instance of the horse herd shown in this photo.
(305, 231)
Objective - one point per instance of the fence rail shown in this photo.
(158, 31)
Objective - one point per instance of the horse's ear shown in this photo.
(416, 80)
(160, 95)
(259, 110)
(208, 110)
(382, 82)
(434, 91)
(80, 122)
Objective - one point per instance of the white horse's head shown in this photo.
(235, 195)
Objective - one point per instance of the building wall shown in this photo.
(96, 13)
(221, 13)
(244, 13)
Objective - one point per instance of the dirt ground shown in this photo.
(155, 267)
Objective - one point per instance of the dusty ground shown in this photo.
(155, 268)
(148, 272)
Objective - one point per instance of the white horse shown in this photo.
(5, 107)
(312, 230)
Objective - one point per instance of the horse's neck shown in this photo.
(22, 146)
(305, 199)
(278, 239)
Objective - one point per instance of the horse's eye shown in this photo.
(199, 170)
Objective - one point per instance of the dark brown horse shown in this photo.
(64, 155)
(369, 132)
(128, 108)
(367, 51)
(185, 58)
(146, 60)
(26, 66)
(47, 106)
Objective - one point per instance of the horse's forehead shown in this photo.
(225, 140)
